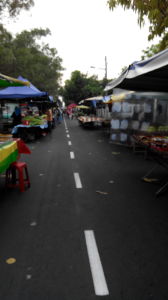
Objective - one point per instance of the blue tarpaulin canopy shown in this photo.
(51, 98)
(21, 92)
(146, 75)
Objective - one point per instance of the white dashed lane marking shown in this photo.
(65, 124)
(98, 276)
(77, 181)
(72, 155)
(99, 281)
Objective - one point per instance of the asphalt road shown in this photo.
(88, 227)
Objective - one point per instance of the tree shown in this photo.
(150, 51)
(13, 7)
(80, 87)
(38, 63)
(155, 10)
(7, 57)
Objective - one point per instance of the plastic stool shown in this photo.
(12, 180)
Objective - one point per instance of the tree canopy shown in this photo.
(150, 51)
(155, 10)
(22, 55)
(80, 87)
(25, 54)
(13, 7)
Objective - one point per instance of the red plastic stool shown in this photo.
(15, 175)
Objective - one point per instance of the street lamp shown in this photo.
(105, 68)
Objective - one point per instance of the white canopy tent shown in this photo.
(146, 75)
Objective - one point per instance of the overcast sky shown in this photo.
(84, 32)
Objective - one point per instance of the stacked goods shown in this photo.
(163, 128)
(5, 137)
(152, 129)
(34, 120)
(159, 143)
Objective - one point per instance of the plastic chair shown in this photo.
(17, 175)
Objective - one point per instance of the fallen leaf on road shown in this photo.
(33, 224)
(150, 179)
(10, 261)
(103, 193)
(115, 153)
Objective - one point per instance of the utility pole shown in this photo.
(105, 67)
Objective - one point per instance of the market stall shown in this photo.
(27, 98)
(31, 128)
(81, 110)
(138, 113)
(89, 117)
(141, 118)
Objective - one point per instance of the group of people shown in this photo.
(54, 117)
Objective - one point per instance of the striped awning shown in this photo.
(8, 154)
(7, 81)
(10, 150)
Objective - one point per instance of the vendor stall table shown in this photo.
(156, 147)
(90, 120)
(28, 132)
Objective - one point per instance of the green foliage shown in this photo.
(155, 10)
(22, 55)
(7, 57)
(123, 69)
(80, 87)
(13, 7)
(150, 51)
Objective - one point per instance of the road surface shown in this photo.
(87, 228)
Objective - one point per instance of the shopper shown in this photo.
(17, 118)
(49, 119)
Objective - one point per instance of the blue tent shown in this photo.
(146, 75)
(51, 98)
(21, 92)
